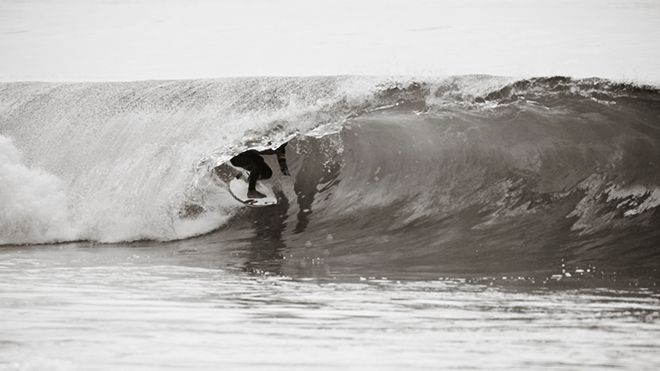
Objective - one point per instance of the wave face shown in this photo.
(471, 173)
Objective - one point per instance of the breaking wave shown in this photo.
(472, 170)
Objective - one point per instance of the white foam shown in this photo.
(33, 203)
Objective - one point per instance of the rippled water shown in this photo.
(194, 305)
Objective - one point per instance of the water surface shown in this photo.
(183, 305)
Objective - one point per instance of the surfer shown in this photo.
(252, 161)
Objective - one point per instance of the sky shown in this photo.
(119, 40)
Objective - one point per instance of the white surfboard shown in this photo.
(238, 187)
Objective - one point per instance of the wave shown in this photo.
(472, 170)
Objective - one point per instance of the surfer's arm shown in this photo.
(281, 159)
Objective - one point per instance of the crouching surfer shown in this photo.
(252, 161)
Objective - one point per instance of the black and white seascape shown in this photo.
(468, 185)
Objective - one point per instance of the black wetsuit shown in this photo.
(252, 161)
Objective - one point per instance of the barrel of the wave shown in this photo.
(246, 172)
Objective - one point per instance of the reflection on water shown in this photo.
(266, 247)
(192, 305)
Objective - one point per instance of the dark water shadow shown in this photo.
(316, 174)
(267, 243)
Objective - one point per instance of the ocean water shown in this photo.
(201, 304)
(464, 222)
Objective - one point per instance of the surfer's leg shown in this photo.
(258, 170)
(252, 181)
(256, 166)
(265, 172)
(252, 186)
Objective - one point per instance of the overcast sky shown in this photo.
(59, 40)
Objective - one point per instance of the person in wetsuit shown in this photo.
(252, 161)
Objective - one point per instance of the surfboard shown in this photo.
(238, 187)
